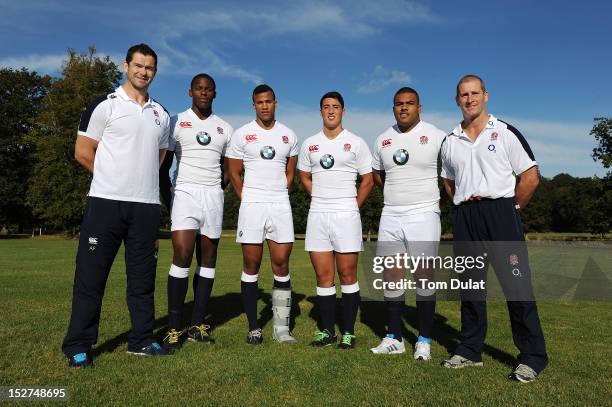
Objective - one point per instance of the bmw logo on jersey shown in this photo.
(400, 157)
(203, 138)
(267, 152)
(327, 161)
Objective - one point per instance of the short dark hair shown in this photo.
(470, 77)
(263, 88)
(205, 76)
(332, 95)
(143, 49)
(406, 89)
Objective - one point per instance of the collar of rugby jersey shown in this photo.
(409, 132)
(195, 117)
(331, 140)
(459, 133)
(123, 94)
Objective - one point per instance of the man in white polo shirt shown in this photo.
(405, 163)
(122, 139)
(199, 139)
(329, 163)
(267, 151)
(480, 160)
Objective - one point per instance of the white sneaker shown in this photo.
(422, 351)
(389, 345)
(523, 374)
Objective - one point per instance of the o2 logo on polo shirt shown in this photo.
(203, 138)
(267, 152)
(400, 157)
(327, 161)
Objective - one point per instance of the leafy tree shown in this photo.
(601, 216)
(602, 130)
(59, 185)
(371, 210)
(21, 93)
(537, 215)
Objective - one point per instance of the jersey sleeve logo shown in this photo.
(155, 113)
(219, 130)
(285, 139)
(203, 138)
(185, 125)
(386, 143)
(250, 138)
(423, 140)
(347, 147)
(494, 136)
(267, 152)
(313, 148)
(327, 161)
(400, 157)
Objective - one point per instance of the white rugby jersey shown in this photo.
(199, 146)
(410, 162)
(334, 165)
(264, 153)
(486, 167)
(126, 166)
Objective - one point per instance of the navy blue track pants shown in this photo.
(494, 227)
(106, 224)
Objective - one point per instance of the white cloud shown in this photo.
(381, 78)
(35, 62)
(350, 19)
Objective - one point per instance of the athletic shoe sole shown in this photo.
(461, 366)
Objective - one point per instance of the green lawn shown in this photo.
(35, 292)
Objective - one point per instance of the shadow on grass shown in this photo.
(221, 309)
(373, 315)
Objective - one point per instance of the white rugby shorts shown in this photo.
(334, 231)
(259, 221)
(198, 208)
(415, 234)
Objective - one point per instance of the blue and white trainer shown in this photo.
(389, 345)
(80, 360)
(153, 349)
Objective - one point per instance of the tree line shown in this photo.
(41, 185)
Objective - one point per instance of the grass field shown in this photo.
(35, 293)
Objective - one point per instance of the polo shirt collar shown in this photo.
(491, 124)
(123, 95)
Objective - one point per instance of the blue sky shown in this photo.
(546, 64)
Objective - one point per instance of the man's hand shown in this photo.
(529, 181)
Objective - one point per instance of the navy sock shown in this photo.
(350, 304)
(326, 305)
(394, 307)
(202, 287)
(426, 308)
(177, 290)
(250, 295)
(282, 284)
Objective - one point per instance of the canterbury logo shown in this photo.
(185, 125)
(250, 138)
(313, 149)
(93, 240)
(386, 143)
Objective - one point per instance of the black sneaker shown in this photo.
(323, 338)
(254, 337)
(153, 349)
(347, 341)
(80, 360)
(172, 340)
(200, 333)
